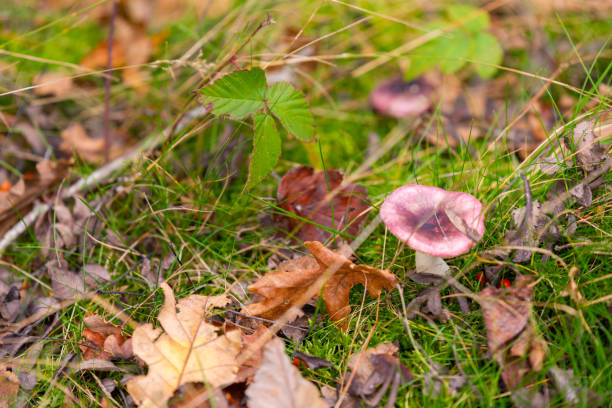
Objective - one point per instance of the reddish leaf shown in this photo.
(307, 194)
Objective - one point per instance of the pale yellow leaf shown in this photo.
(278, 384)
(188, 349)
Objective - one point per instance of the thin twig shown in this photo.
(107, 81)
(528, 206)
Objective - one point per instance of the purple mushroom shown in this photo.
(398, 98)
(434, 222)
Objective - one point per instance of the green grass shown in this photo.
(220, 245)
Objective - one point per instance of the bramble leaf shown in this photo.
(238, 94)
(474, 19)
(447, 51)
(291, 109)
(266, 149)
(486, 49)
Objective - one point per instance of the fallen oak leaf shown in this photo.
(278, 384)
(306, 194)
(513, 341)
(281, 289)
(188, 349)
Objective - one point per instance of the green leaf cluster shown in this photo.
(245, 93)
(467, 39)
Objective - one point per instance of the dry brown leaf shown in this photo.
(513, 342)
(281, 289)
(104, 340)
(250, 366)
(278, 384)
(169, 10)
(21, 195)
(304, 193)
(76, 139)
(68, 285)
(188, 349)
(62, 228)
(9, 387)
(52, 83)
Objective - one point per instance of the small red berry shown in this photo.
(504, 283)
(297, 362)
(481, 278)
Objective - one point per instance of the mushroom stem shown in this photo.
(431, 265)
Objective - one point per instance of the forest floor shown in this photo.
(202, 163)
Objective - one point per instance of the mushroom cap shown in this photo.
(398, 98)
(425, 218)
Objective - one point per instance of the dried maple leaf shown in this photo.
(278, 384)
(188, 349)
(281, 289)
(306, 194)
(513, 342)
(104, 340)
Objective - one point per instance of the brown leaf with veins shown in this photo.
(188, 349)
(305, 193)
(513, 341)
(104, 340)
(282, 288)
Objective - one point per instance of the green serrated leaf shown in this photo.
(448, 51)
(474, 19)
(238, 94)
(486, 49)
(291, 109)
(454, 52)
(266, 149)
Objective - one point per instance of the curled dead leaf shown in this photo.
(281, 289)
(104, 340)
